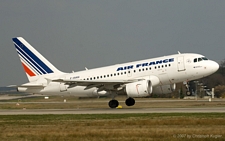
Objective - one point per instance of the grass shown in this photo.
(110, 127)
(113, 127)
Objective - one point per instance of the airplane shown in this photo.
(135, 79)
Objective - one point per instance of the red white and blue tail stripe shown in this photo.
(33, 62)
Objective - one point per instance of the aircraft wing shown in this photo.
(93, 82)
(100, 84)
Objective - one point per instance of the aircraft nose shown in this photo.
(215, 66)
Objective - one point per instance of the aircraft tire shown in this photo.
(113, 103)
(130, 101)
(188, 93)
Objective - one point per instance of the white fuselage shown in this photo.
(169, 69)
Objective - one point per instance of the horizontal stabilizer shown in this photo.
(28, 85)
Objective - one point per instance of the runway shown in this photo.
(110, 111)
(89, 106)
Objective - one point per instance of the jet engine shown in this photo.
(164, 89)
(139, 89)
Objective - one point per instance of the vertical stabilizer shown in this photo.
(34, 64)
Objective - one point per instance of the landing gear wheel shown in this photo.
(130, 101)
(188, 93)
(113, 103)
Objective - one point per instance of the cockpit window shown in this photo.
(199, 59)
(195, 60)
(204, 58)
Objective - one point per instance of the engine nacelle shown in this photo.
(139, 89)
(164, 89)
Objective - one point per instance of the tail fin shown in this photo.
(34, 64)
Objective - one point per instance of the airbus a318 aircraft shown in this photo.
(136, 79)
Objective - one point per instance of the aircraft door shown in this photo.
(180, 63)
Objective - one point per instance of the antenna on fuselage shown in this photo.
(178, 52)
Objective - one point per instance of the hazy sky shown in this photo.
(74, 34)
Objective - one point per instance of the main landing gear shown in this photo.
(114, 103)
(130, 101)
